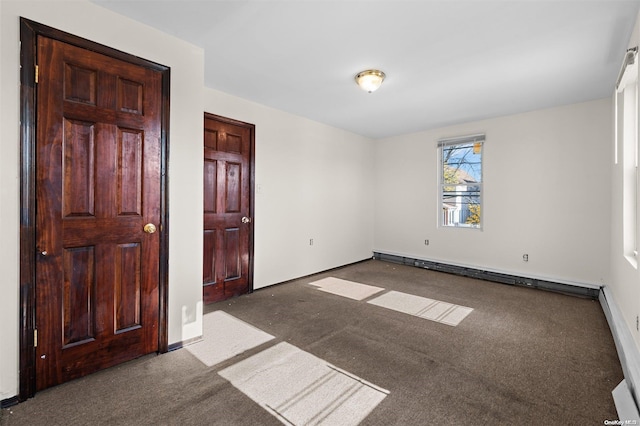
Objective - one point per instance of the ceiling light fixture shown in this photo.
(370, 80)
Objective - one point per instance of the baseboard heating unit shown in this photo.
(575, 290)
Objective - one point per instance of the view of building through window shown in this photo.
(461, 181)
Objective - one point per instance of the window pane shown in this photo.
(461, 205)
(462, 163)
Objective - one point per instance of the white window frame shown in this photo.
(463, 140)
(626, 152)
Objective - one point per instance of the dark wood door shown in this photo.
(97, 186)
(228, 224)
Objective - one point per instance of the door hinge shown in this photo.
(35, 337)
(37, 73)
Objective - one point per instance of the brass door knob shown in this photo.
(149, 228)
(246, 219)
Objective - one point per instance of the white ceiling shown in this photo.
(446, 62)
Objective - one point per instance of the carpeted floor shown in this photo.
(521, 356)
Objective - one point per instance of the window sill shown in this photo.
(477, 228)
(633, 260)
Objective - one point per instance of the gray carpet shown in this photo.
(522, 356)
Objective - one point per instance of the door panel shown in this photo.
(232, 247)
(228, 241)
(78, 295)
(128, 287)
(97, 185)
(211, 186)
(79, 165)
(233, 180)
(130, 172)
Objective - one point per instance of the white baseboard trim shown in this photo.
(625, 395)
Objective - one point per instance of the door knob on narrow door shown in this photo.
(149, 228)
(246, 219)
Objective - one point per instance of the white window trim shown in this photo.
(480, 137)
(626, 152)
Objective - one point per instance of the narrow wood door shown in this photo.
(97, 186)
(228, 226)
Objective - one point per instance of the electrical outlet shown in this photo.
(637, 323)
(525, 257)
(426, 242)
(310, 241)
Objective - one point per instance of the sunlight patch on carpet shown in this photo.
(301, 389)
(225, 336)
(346, 288)
(434, 310)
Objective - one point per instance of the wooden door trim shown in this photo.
(252, 171)
(29, 31)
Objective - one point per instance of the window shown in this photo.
(460, 182)
(627, 146)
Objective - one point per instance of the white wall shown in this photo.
(92, 22)
(546, 183)
(625, 278)
(312, 182)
